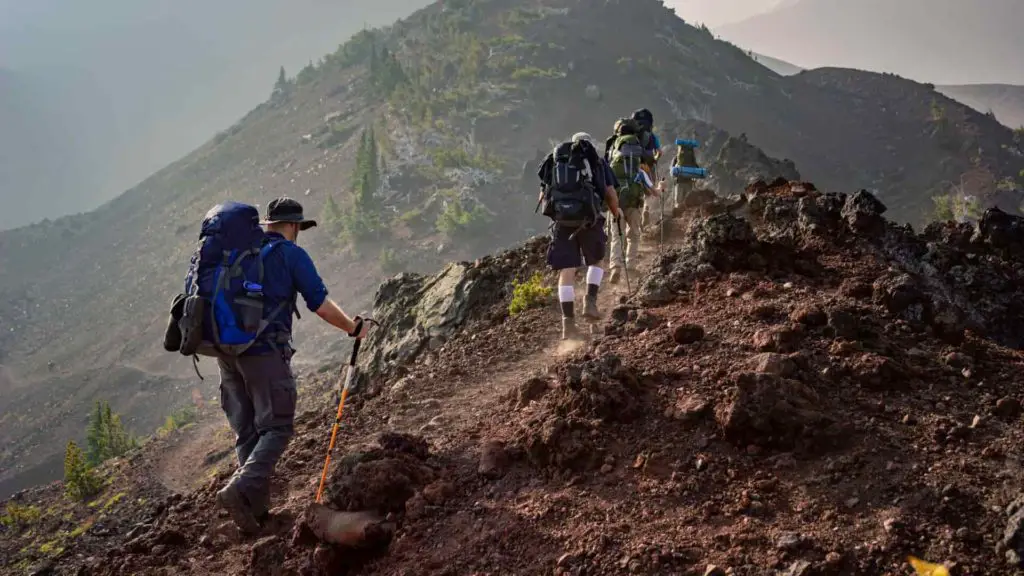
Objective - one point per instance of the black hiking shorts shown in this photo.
(587, 248)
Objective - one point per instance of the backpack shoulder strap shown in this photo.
(264, 252)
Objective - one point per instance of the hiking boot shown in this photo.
(615, 277)
(231, 500)
(569, 331)
(590, 310)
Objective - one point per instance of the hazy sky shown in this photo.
(136, 84)
(718, 12)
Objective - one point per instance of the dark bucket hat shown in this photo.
(287, 210)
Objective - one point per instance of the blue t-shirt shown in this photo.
(287, 272)
(609, 176)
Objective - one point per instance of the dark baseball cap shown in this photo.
(285, 209)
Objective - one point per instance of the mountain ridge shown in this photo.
(465, 94)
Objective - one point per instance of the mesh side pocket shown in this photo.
(172, 334)
(191, 324)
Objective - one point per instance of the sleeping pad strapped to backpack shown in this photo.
(221, 311)
(571, 193)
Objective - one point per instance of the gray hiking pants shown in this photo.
(258, 396)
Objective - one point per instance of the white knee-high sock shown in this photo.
(566, 300)
(566, 294)
(594, 275)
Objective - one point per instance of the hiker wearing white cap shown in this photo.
(574, 191)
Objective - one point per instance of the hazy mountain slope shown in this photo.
(939, 41)
(483, 87)
(135, 85)
(1004, 100)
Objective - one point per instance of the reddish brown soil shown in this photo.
(764, 420)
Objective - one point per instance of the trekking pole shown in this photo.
(661, 242)
(622, 250)
(349, 376)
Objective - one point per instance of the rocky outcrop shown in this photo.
(953, 277)
(419, 313)
(740, 163)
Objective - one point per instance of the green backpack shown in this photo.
(686, 156)
(627, 157)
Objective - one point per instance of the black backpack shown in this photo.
(571, 194)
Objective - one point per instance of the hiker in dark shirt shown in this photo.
(573, 247)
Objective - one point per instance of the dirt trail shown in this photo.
(437, 413)
(192, 453)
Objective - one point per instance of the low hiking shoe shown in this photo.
(231, 500)
(615, 277)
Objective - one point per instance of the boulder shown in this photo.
(778, 338)
(686, 333)
(769, 363)
(809, 315)
(1003, 232)
(764, 409)
(863, 213)
(414, 310)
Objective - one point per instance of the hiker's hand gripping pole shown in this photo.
(349, 376)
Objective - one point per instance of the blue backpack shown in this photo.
(221, 311)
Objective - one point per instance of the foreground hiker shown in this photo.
(630, 162)
(574, 187)
(240, 294)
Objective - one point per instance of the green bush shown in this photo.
(177, 420)
(955, 207)
(450, 158)
(18, 516)
(942, 209)
(456, 222)
(532, 72)
(336, 135)
(529, 294)
(390, 261)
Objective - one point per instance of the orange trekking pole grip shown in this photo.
(349, 375)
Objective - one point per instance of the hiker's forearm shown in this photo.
(333, 315)
(612, 198)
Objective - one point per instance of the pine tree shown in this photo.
(108, 433)
(363, 221)
(80, 482)
(332, 214)
(106, 436)
(372, 169)
(374, 65)
(96, 444)
(281, 86)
